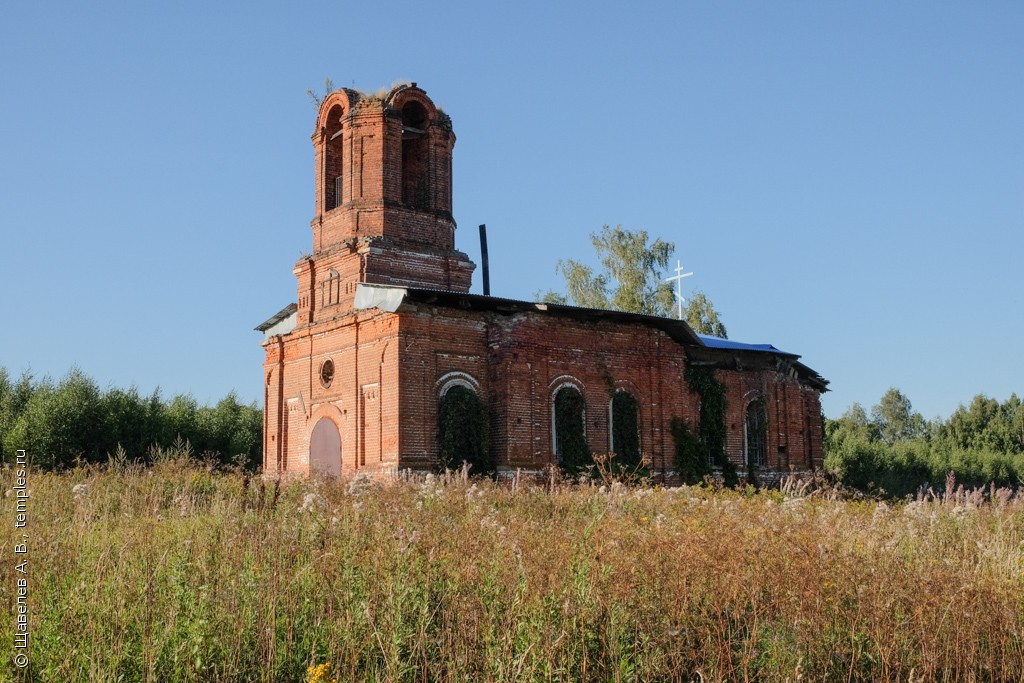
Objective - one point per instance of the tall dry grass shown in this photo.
(177, 573)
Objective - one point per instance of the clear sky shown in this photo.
(845, 179)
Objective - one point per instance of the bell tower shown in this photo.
(383, 200)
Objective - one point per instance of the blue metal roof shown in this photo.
(719, 343)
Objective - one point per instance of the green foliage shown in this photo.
(987, 425)
(463, 432)
(730, 477)
(700, 314)
(73, 421)
(59, 423)
(854, 423)
(630, 278)
(898, 453)
(711, 431)
(625, 430)
(752, 479)
(691, 456)
(894, 418)
(571, 446)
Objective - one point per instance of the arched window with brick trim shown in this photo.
(334, 143)
(569, 435)
(462, 427)
(755, 431)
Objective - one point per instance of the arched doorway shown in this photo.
(325, 449)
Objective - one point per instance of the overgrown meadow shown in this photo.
(175, 572)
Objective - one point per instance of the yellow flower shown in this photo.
(318, 673)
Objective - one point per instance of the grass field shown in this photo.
(178, 573)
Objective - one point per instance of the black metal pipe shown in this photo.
(483, 258)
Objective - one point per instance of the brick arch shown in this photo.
(555, 386)
(331, 412)
(753, 395)
(558, 382)
(344, 98)
(625, 385)
(456, 379)
(402, 95)
(331, 129)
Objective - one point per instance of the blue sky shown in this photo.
(845, 179)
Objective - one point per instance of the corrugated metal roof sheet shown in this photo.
(277, 317)
(719, 343)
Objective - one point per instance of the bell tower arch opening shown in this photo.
(334, 159)
(416, 191)
(383, 200)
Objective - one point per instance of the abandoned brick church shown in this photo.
(385, 329)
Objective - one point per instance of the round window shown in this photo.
(327, 373)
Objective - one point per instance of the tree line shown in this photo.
(894, 450)
(62, 423)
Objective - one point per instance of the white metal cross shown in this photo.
(678, 277)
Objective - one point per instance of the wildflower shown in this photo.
(318, 674)
(793, 503)
(313, 500)
(406, 540)
(360, 484)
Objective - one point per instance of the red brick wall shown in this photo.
(519, 361)
(389, 367)
(376, 235)
(793, 410)
(362, 399)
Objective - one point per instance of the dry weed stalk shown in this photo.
(179, 572)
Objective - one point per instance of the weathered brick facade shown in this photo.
(384, 326)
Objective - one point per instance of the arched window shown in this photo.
(756, 434)
(334, 177)
(415, 157)
(625, 429)
(569, 422)
(325, 449)
(462, 430)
